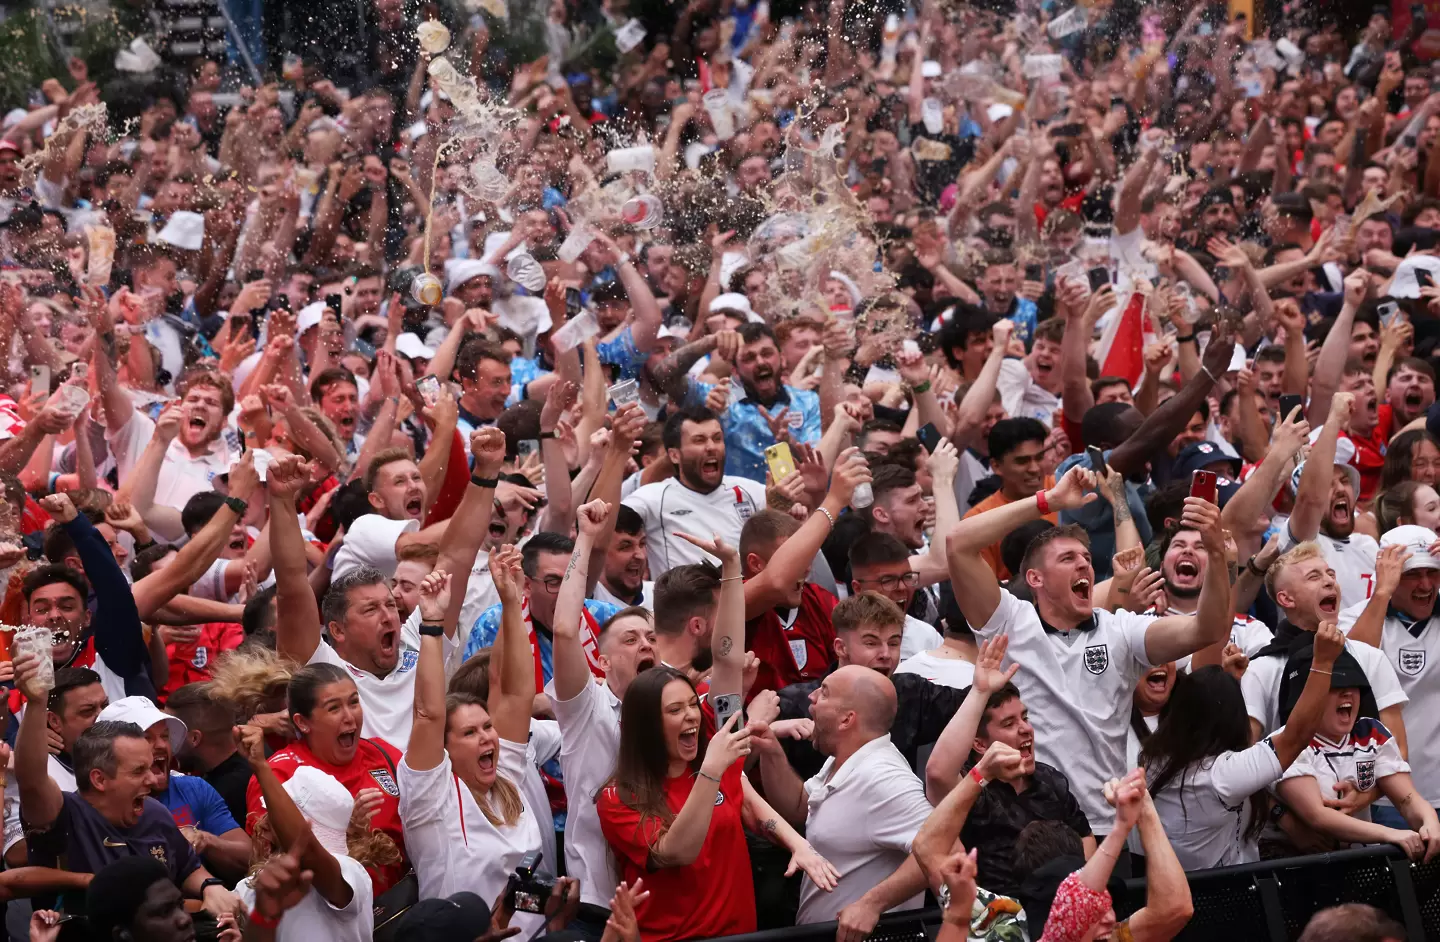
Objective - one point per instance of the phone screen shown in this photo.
(572, 302)
(1034, 273)
(1204, 484)
(1099, 277)
(929, 436)
(1289, 402)
(1097, 460)
(1423, 278)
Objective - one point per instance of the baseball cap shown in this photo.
(732, 301)
(1344, 455)
(310, 316)
(7, 144)
(1418, 540)
(1197, 456)
(457, 918)
(411, 346)
(184, 230)
(930, 69)
(145, 714)
(460, 270)
(325, 803)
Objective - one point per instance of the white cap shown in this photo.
(410, 345)
(732, 301)
(145, 714)
(1344, 455)
(310, 316)
(325, 803)
(999, 111)
(678, 333)
(930, 69)
(460, 270)
(1418, 540)
(184, 230)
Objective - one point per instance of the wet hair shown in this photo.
(475, 349)
(50, 575)
(66, 680)
(95, 749)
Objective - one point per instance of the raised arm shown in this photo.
(572, 668)
(40, 798)
(1168, 904)
(1312, 496)
(1304, 719)
(144, 476)
(1132, 185)
(981, 395)
(559, 510)
(292, 833)
(727, 642)
(1174, 636)
(952, 750)
(1249, 503)
(511, 700)
(938, 836)
(297, 627)
(1075, 395)
(1389, 564)
(118, 407)
(204, 548)
(426, 749)
(470, 523)
(792, 558)
(1162, 425)
(681, 843)
(1330, 366)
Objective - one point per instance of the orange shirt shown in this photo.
(991, 553)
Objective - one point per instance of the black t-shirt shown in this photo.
(231, 778)
(938, 160)
(82, 841)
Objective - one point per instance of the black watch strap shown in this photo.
(433, 631)
(209, 882)
(239, 506)
(478, 481)
(1187, 338)
(550, 434)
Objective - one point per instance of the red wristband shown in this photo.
(980, 780)
(1041, 502)
(260, 920)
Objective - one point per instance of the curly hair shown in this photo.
(251, 678)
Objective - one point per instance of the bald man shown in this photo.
(861, 810)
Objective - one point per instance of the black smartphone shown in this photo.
(1097, 460)
(334, 302)
(572, 302)
(257, 321)
(254, 274)
(1289, 402)
(1424, 279)
(879, 165)
(1099, 277)
(1034, 272)
(281, 302)
(1067, 130)
(929, 436)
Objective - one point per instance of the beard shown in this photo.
(703, 660)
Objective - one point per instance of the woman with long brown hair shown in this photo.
(676, 812)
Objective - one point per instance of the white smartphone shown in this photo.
(40, 380)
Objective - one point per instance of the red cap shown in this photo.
(7, 144)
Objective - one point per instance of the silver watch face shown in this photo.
(944, 896)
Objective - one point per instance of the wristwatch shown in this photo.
(209, 882)
(239, 506)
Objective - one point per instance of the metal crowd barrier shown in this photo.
(1269, 901)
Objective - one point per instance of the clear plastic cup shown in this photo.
(630, 159)
(580, 328)
(72, 398)
(863, 496)
(427, 289)
(490, 183)
(717, 106)
(932, 113)
(524, 270)
(624, 392)
(576, 241)
(38, 641)
(643, 212)
(102, 254)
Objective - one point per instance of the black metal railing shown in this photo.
(1269, 901)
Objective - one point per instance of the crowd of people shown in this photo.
(744, 468)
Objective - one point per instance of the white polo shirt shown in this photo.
(1365, 755)
(1077, 686)
(1413, 654)
(946, 671)
(1260, 684)
(370, 541)
(1251, 635)
(668, 506)
(181, 476)
(862, 818)
(389, 702)
(1207, 818)
(314, 918)
(1353, 561)
(590, 744)
(451, 843)
(1022, 396)
(918, 637)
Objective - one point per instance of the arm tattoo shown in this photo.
(725, 646)
(1122, 507)
(768, 826)
(574, 561)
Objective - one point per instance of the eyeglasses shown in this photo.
(552, 584)
(908, 580)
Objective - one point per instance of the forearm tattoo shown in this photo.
(725, 647)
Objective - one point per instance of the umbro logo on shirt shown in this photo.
(680, 511)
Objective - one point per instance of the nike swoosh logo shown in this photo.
(109, 843)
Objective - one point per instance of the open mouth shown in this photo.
(1081, 589)
(1157, 681)
(710, 466)
(415, 506)
(1340, 510)
(1345, 710)
(644, 664)
(347, 740)
(1414, 399)
(497, 530)
(690, 739)
(1027, 749)
(1330, 603)
(388, 639)
(1186, 569)
(197, 423)
(346, 422)
(486, 762)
